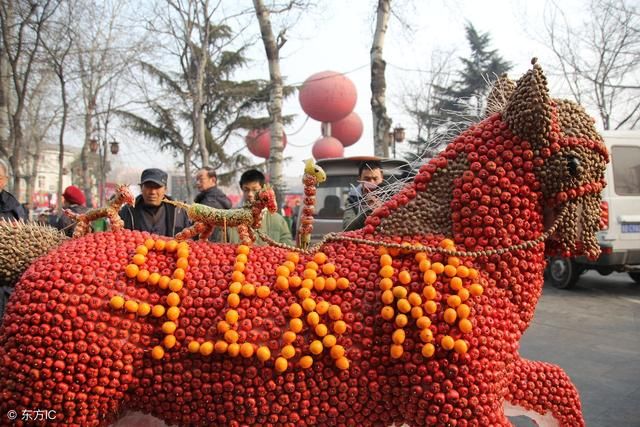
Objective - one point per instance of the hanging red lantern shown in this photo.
(328, 96)
(259, 142)
(327, 147)
(347, 130)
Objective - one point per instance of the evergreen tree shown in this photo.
(464, 100)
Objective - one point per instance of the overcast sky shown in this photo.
(337, 36)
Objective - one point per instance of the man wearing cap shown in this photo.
(149, 213)
(10, 208)
(73, 199)
(211, 195)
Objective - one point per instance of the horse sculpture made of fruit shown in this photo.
(414, 319)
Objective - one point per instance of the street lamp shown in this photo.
(396, 136)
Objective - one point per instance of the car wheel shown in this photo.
(635, 276)
(563, 272)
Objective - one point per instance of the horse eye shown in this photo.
(573, 163)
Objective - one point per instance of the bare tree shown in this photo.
(600, 59)
(22, 26)
(381, 121)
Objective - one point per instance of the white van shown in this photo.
(620, 241)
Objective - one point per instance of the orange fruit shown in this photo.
(473, 273)
(322, 307)
(425, 265)
(403, 305)
(386, 271)
(223, 326)
(263, 291)
(242, 258)
(231, 336)
(131, 306)
(429, 292)
(423, 322)
(313, 318)
(288, 351)
(291, 266)
(414, 299)
(453, 301)
(385, 284)
(309, 274)
(329, 340)
(328, 268)
(385, 259)
(453, 261)
(399, 291)
(231, 317)
(182, 252)
(430, 307)
(157, 352)
(437, 267)
(178, 273)
(465, 325)
(460, 346)
(320, 258)
(117, 302)
(281, 364)
(476, 289)
(463, 294)
(305, 362)
(153, 278)
(428, 350)
(342, 283)
(396, 351)
(447, 244)
(342, 363)
(173, 299)
(462, 271)
(293, 257)
(398, 336)
(339, 327)
(194, 347)
(235, 287)
(295, 325)
(426, 335)
(335, 313)
(282, 283)
(308, 304)
(169, 340)
(149, 243)
(316, 347)
(455, 283)
(288, 337)
(143, 309)
(420, 256)
(463, 311)
(221, 346)
(321, 330)
(447, 342)
(169, 327)
(237, 276)
(175, 285)
(131, 271)
(283, 271)
(450, 316)
(157, 310)
(330, 284)
(404, 277)
(263, 353)
(401, 320)
(160, 244)
(304, 292)
(307, 283)
(248, 290)
(171, 245)
(387, 312)
(430, 277)
(243, 249)
(142, 250)
(450, 271)
(163, 282)
(206, 348)
(295, 310)
(182, 263)
(337, 351)
(416, 312)
(172, 313)
(387, 297)
(246, 349)
(318, 283)
(233, 300)
(311, 265)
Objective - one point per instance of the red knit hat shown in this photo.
(74, 195)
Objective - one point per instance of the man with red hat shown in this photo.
(73, 199)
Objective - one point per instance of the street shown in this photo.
(593, 333)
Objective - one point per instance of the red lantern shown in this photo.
(347, 130)
(328, 96)
(259, 142)
(327, 147)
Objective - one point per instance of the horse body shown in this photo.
(415, 319)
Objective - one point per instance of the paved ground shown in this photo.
(593, 333)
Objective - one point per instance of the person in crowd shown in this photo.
(10, 208)
(362, 199)
(149, 213)
(273, 224)
(211, 195)
(73, 199)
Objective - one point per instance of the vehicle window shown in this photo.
(626, 170)
(331, 197)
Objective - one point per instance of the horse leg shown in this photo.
(546, 390)
(116, 222)
(206, 232)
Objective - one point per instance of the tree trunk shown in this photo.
(272, 49)
(63, 125)
(381, 122)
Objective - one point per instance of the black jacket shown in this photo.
(213, 197)
(10, 208)
(65, 223)
(175, 219)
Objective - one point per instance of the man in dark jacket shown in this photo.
(362, 199)
(73, 199)
(150, 214)
(211, 195)
(10, 208)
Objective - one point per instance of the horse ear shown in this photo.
(500, 93)
(528, 111)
